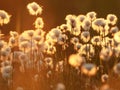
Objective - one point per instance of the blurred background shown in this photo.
(54, 11)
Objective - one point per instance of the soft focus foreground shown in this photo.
(82, 54)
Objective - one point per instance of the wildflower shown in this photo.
(76, 60)
(85, 36)
(34, 8)
(39, 23)
(89, 69)
(4, 17)
(111, 19)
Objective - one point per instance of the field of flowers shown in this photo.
(82, 54)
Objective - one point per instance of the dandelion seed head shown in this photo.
(80, 19)
(19, 88)
(34, 8)
(91, 15)
(64, 28)
(111, 19)
(6, 71)
(98, 24)
(116, 69)
(74, 40)
(113, 30)
(76, 60)
(60, 86)
(89, 69)
(39, 23)
(71, 21)
(106, 54)
(77, 46)
(117, 37)
(86, 24)
(96, 40)
(104, 78)
(85, 36)
(105, 87)
(4, 17)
